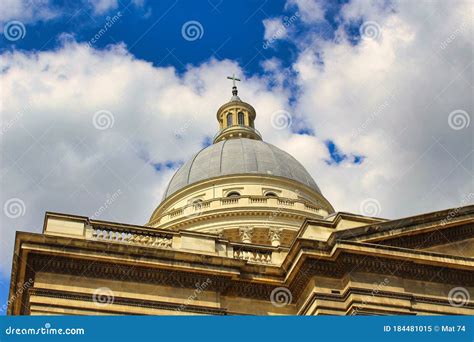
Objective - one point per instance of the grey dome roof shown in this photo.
(238, 156)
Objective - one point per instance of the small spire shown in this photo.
(234, 87)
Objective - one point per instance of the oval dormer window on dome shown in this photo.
(271, 194)
(241, 118)
(233, 194)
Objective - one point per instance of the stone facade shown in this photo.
(342, 265)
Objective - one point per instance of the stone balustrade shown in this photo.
(254, 255)
(231, 200)
(148, 238)
(242, 201)
(135, 236)
(286, 202)
(201, 243)
(175, 213)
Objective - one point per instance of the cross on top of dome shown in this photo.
(233, 78)
(234, 87)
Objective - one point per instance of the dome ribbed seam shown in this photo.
(243, 154)
(191, 166)
(275, 160)
(220, 159)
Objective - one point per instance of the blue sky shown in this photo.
(152, 31)
(374, 98)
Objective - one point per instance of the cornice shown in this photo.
(248, 211)
(384, 230)
(431, 237)
(236, 104)
(346, 296)
(149, 304)
(253, 283)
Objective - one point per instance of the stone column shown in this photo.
(246, 234)
(274, 235)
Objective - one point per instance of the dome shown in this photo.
(239, 156)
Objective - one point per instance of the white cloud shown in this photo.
(32, 11)
(279, 28)
(103, 6)
(389, 99)
(274, 29)
(311, 11)
(27, 10)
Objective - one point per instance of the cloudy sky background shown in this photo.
(374, 98)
